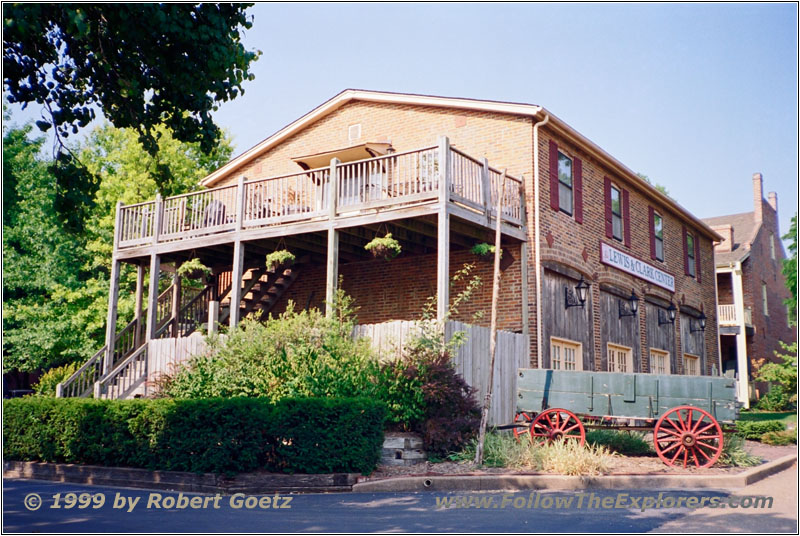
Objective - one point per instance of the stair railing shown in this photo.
(129, 374)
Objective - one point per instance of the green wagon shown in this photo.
(685, 413)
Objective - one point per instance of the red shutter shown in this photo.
(578, 186)
(685, 253)
(697, 257)
(626, 219)
(607, 196)
(553, 175)
(651, 217)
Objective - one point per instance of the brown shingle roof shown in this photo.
(744, 232)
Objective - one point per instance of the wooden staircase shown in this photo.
(262, 289)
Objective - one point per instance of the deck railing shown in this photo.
(390, 180)
(728, 316)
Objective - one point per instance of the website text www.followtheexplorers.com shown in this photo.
(591, 500)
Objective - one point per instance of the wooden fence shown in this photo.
(471, 359)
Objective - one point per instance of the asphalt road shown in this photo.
(139, 511)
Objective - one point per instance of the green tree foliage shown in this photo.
(790, 270)
(141, 65)
(660, 187)
(55, 285)
(783, 377)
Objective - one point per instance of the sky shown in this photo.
(696, 96)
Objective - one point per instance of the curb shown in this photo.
(559, 482)
(128, 477)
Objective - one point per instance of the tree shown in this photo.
(55, 286)
(141, 65)
(790, 270)
(660, 187)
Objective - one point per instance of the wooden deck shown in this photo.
(422, 182)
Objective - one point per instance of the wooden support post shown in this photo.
(486, 191)
(152, 297)
(236, 282)
(526, 315)
(493, 323)
(176, 303)
(139, 304)
(213, 317)
(111, 319)
(332, 266)
(443, 233)
(332, 274)
(159, 207)
(240, 203)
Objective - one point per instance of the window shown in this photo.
(764, 298)
(616, 213)
(659, 361)
(772, 245)
(690, 254)
(658, 233)
(565, 355)
(620, 358)
(564, 183)
(354, 132)
(691, 365)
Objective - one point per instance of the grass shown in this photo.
(734, 454)
(620, 441)
(561, 457)
(788, 417)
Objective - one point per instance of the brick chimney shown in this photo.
(726, 231)
(772, 199)
(758, 196)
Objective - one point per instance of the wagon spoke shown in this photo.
(689, 419)
(705, 428)
(699, 437)
(677, 453)
(677, 428)
(572, 427)
(680, 418)
(710, 447)
(670, 432)
(685, 457)
(674, 445)
(701, 451)
(696, 459)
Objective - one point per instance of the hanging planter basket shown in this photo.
(280, 260)
(484, 251)
(194, 269)
(384, 247)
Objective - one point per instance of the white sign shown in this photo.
(616, 258)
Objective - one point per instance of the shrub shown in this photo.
(211, 435)
(753, 430)
(776, 399)
(786, 437)
(734, 453)
(298, 354)
(46, 386)
(622, 442)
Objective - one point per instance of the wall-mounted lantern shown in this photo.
(578, 297)
(699, 325)
(667, 317)
(631, 308)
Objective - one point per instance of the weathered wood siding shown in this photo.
(693, 343)
(661, 337)
(574, 324)
(166, 355)
(615, 330)
(471, 360)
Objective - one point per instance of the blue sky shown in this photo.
(696, 96)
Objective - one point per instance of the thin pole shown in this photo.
(493, 326)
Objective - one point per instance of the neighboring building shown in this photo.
(753, 316)
(428, 169)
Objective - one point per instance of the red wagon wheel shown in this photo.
(556, 423)
(522, 417)
(688, 435)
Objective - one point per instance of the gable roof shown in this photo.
(511, 108)
(745, 229)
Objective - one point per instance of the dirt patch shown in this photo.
(621, 465)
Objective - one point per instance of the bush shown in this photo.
(753, 430)
(734, 454)
(46, 386)
(786, 437)
(622, 442)
(425, 394)
(297, 354)
(776, 399)
(211, 435)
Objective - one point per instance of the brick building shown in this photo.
(620, 275)
(751, 288)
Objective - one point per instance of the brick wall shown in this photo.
(398, 290)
